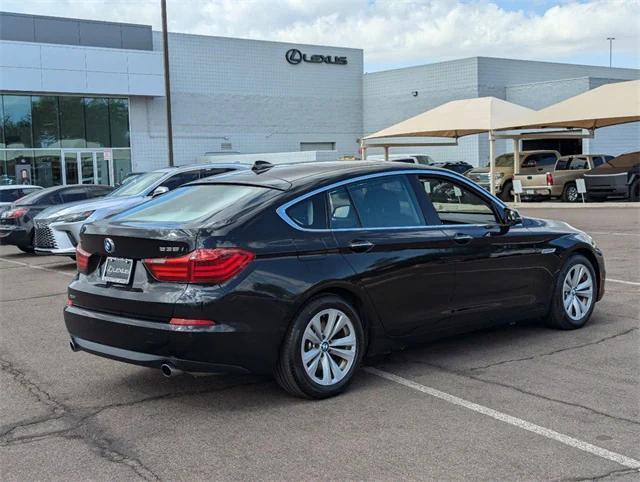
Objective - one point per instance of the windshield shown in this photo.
(138, 185)
(189, 203)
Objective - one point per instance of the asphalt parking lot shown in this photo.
(518, 402)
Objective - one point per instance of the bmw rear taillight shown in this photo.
(15, 213)
(82, 260)
(201, 266)
(549, 179)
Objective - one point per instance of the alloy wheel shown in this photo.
(328, 347)
(572, 193)
(577, 292)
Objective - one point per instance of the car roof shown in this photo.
(288, 176)
(20, 186)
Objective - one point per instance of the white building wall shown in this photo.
(244, 93)
(389, 98)
(78, 69)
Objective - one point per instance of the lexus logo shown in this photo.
(294, 57)
(109, 245)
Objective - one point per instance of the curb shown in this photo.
(603, 205)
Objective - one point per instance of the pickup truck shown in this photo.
(618, 177)
(530, 162)
(560, 180)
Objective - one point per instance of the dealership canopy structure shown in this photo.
(604, 106)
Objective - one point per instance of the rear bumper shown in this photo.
(214, 349)
(15, 235)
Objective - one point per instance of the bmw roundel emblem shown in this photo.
(109, 245)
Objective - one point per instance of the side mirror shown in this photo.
(511, 217)
(159, 190)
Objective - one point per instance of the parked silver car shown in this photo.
(57, 229)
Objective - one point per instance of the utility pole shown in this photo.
(610, 39)
(167, 80)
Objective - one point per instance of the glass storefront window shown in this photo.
(4, 178)
(121, 164)
(17, 120)
(44, 113)
(47, 168)
(72, 122)
(1, 124)
(102, 169)
(119, 122)
(20, 167)
(96, 112)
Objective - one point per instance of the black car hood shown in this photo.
(604, 171)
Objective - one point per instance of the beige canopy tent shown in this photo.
(610, 104)
(455, 119)
(458, 118)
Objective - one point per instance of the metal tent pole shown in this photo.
(167, 80)
(492, 162)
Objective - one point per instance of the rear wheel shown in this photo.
(507, 191)
(570, 193)
(322, 349)
(574, 295)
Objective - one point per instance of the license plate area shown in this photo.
(117, 270)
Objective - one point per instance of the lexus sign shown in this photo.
(295, 57)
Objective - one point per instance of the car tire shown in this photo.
(27, 249)
(327, 368)
(575, 281)
(634, 191)
(570, 193)
(506, 194)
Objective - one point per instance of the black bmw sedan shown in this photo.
(302, 270)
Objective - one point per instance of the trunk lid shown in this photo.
(142, 297)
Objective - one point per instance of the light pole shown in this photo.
(610, 39)
(167, 80)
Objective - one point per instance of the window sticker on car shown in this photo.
(427, 187)
(457, 191)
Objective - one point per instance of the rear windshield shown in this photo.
(200, 202)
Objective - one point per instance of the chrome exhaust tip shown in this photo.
(73, 346)
(169, 370)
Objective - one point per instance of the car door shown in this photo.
(382, 232)
(499, 274)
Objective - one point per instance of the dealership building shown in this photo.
(84, 101)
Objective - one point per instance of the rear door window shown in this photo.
(385, 202)
(342, 213)
(181, 178)
(578, 163)
(73, 194)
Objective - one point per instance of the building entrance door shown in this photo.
(87, 167)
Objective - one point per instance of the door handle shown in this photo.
(360, 246)
(462, 238)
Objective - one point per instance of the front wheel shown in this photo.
(322, 349)
(574, 295)
(507, 191)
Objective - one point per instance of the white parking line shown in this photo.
(614, 234)
(37, 267)
(516, 422)
(632, 283)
